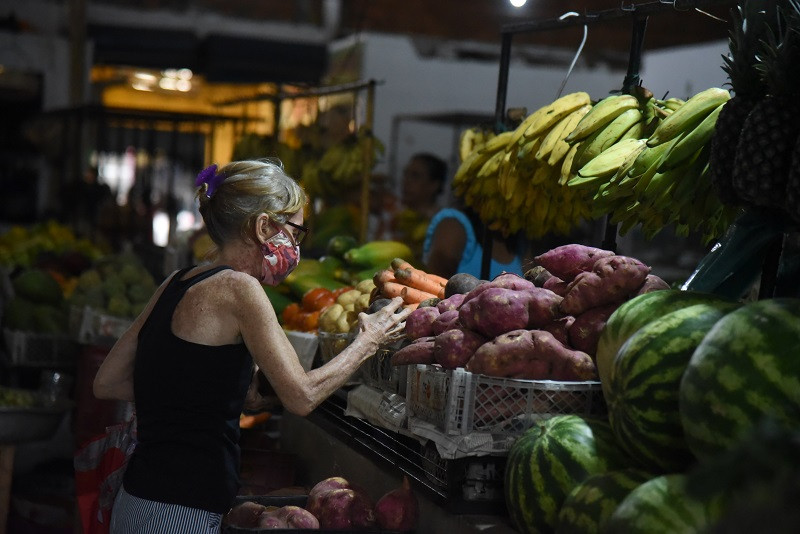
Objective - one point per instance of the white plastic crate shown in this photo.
(379, 372)
(33, 349)
(98, 327)
(331, 344)
(305, 345)
(458, 402)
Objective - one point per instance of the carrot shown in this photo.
(383, 276)
(249, 421)
(409, 295)
(419, 279)
(400, 263)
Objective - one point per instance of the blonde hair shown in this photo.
(249, 188)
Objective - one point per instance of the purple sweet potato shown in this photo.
(419, 323)
(511, 281)
(297, 517)
(453, 302)
(567, 261)
(453, 348)
(556, 285)
(398, 509)
(560, 329)
(543, 307)
(531, 354)
(611, 280)
(245, 515)
(651, 283)
(321, 487)
(495, 311)
(270, 520)
(418, 351)
(341, 507)
(446, 321)
(538, 275)
(587, 327)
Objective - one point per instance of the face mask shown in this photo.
(281, 256)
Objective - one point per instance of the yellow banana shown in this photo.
(600, 115)
(688, 115)
(556, 111)
(496, 143)
(561, 147)
(488, 170)
(559, 131)
(566, 165)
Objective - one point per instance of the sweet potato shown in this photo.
(398, 509)
(452, 302)
(419, 323)
(531, 354)
(337, 504)
(560, 329)
(418, 351)
(543, 307)
(297, 517)
(511, 281)
(651, 283)
(538, 275)
(556, 285)
(271, 520)
(586, 329)
(245, 515)
(445, 321)
(495, 311)
(611, 280)
(567, 261)
(453, 348)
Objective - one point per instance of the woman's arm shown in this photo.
(299, 391)
(447, 248)
(114, 379)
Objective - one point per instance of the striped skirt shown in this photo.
(132, 515)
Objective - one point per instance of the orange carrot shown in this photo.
(400, 263)
(249, 421)
(408, 294)
(419, 279)
(381, 277)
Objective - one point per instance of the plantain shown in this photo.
(601, 114)
(689, 115)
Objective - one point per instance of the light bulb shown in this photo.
(517, 3)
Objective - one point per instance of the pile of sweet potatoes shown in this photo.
(333, 504)
(543, 326)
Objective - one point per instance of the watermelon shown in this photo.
(546, 463)
(746, 368)
(637, 312)
(662, 506)
(642, 391)
(588, 507)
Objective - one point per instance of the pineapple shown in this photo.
(748, 23)
(764, 150)
(792, 197)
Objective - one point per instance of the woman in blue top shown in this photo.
(454, 244)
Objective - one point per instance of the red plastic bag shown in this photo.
(99, 467)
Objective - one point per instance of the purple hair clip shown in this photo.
(210, 177)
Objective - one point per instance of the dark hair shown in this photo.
(437, 168)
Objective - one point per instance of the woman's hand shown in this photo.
(386, 325)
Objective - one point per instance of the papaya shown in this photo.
(301, 284)
(377, 253)
(339, 244)
(38, 286)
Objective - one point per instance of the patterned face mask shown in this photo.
(281, 256)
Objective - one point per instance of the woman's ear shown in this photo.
(264, 230)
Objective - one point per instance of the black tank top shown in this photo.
(188, 401)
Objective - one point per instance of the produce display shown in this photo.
(413, 285)
(341, 316)
(334, 503)
(38, 304)
(527, 327)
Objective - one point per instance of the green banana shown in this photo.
(601, 114)
(688, 115)
(691, 141)
(609, 161)
(606, 137)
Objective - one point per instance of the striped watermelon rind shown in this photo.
(642, 394)
(589, 505)
(746, 368)
(637, 312)
(547, 461)
(662, 506)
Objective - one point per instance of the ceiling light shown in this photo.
(517, 3)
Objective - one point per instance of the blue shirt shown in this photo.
(473, 251)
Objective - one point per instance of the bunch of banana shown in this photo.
(664, 180)
(342, 166)
(512, 178)
(470, 139)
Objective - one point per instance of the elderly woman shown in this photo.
(187, 360)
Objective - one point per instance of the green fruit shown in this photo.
(637, 312)
(642, 390)
(588, 507)
(339, 244)
(746, 368)
(663, 506)
(548, 461)
(278, 300)
(37, 286)
(48, 319)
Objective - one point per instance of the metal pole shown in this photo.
(368, 161)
